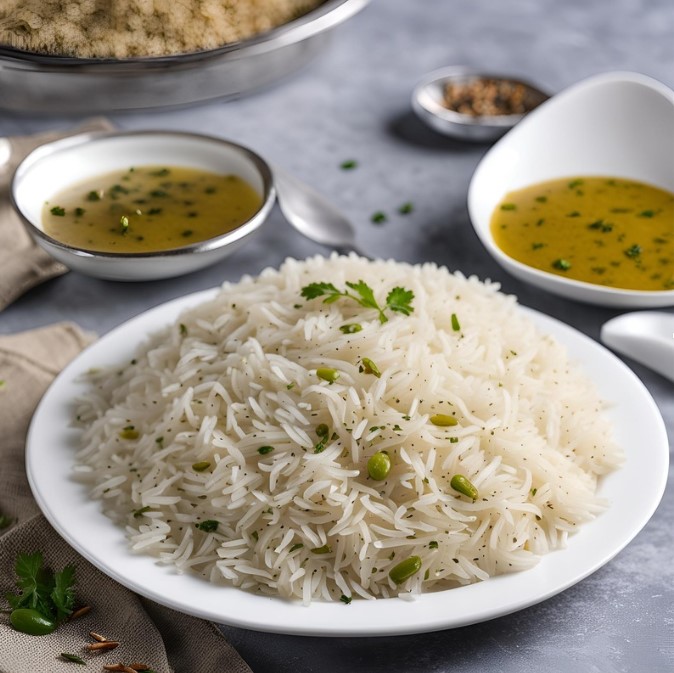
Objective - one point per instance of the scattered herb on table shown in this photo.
(398, 299)
(406, 208)
(74, 658)
(46, 598)
(348, 165)
(379, 217)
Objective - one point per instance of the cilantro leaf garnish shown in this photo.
(63, 593)
(50, 594)
(398, 299)
(74, 658)
(319, 289)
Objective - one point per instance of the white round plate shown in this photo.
(639, 428)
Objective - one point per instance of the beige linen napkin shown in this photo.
(151, 634)
(23, 263)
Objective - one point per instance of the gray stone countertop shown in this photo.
(352, 102)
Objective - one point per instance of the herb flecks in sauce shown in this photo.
(147, 208)
(607, 231)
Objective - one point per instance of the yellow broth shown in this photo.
(149, 208)
(601, 230)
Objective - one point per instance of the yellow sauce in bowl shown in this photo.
(602, 230)
(148, 209)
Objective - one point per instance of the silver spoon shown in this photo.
(312, 214)
(644, 336)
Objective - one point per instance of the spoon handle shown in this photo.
(310, 213)
(645, 336)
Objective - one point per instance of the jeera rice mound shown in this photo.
(136, 28)
(343, 428)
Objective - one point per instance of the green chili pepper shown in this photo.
(370, 367)
(30, 621)
(351, 328)
(443, 420)
(405, 569)
(462, 485)
(327, 374)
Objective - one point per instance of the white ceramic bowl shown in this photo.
(616, 124)
(52, 167)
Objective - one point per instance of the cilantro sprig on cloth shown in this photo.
(46, 597)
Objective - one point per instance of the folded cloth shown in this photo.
(23, 263)
(148, 633)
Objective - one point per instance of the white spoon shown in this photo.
(312, 215)
(644, 336)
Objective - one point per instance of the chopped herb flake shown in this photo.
(208, 526)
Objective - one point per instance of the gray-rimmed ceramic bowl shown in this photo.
(42, 84)
(55, 166)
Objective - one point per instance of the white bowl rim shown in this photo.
(72, 143)
(523, 270)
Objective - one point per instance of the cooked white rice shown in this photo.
(239, 372)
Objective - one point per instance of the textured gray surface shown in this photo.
(353, 102)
